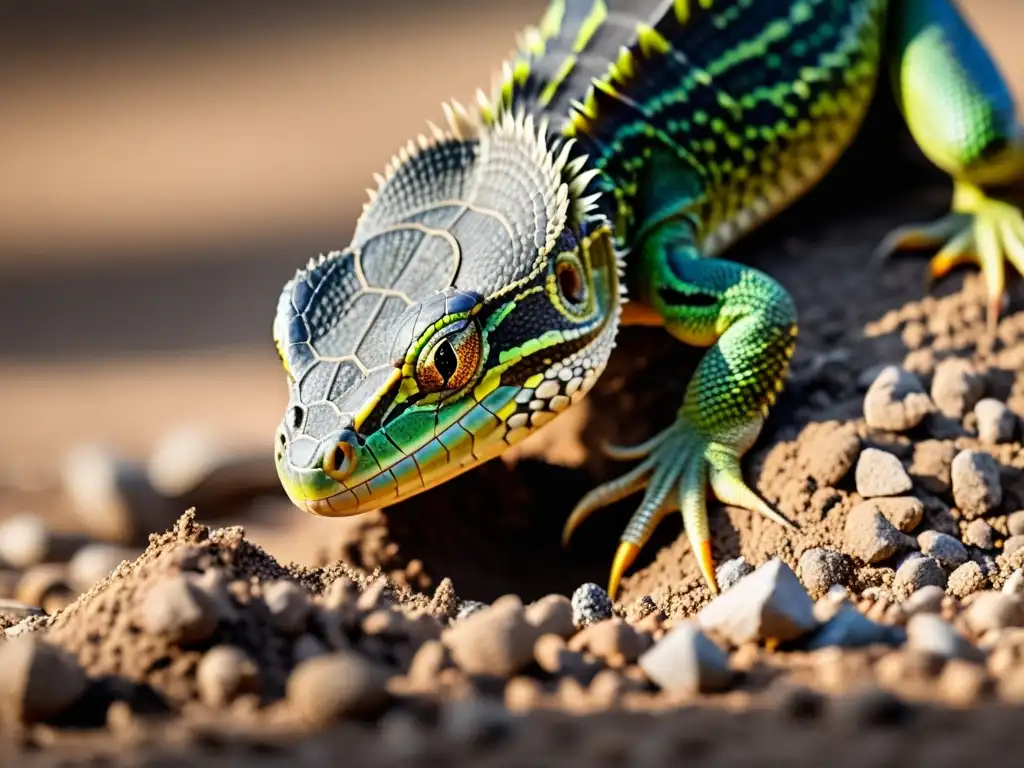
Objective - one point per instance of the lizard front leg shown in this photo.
(963, 117)
(747, 322)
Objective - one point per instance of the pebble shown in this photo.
(645, 606)
(1014, 584)
(945, 548)
(731, 571)
(183, 458)
(495, 641)
(94, 562)
(551, 614)
(849, 628)
(966, 580)
(770, 603)
(224, 673)
(179, 611)
(980, 534)
(917, 573)
(931, 463)
(338, 686)
(830, 457)
(996, 422)
(926, 599)
(904, 512)
(956, 387)
(288, 604)
(896, 401)
(590, 604)
(977, 489)
(820, 569)
(993, 610)
(1015, 523)
(1012, 544)
(38, 680)
(26, 540)
(686, 661)
(880, 473)
(930, 634)
(556, 658)
(613, 641)
(870, 537)
(114, 498)
(45, 586)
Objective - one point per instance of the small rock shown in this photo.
(880, 473)
(977, 489)
(820, 569)
(38, 680)
(947, 550)
(551, 614)
(904, 512)
(849, 628)
(94, 562)
(928, 598)
(993, 610)
(495, 641)
(830, 457)
(645, 606)
(686, 661)
(966, 580)
(980, 534)
(996, 422)
(179, 611)
(731, 571)
(224, 673)
(613, 641)
(931, 463)
(26, 540)
(1015, 523)
(770, 603)
(917, 573)
(426, 665)
(556, 658)
(288, 604)
(930, 634)
(337, 686)
(1012, 544)
(870, 537)
(590, 604)
(467, 608)
(896, 401)
(1014, 584)
(956, 387)
(184, 458)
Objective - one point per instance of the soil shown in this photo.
(203, 647)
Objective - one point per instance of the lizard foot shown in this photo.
(677, 465)
(980, 230)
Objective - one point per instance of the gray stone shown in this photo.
(820, 569)
(947, 550)
(1015, 523)
(896, 401)
(178, 610)
(904, 512)
(980, 534)
(1014, 584)
(288, 604)
(685, 660)
(977, 488)
(590, 604)
(932, 635)
(915, 574)
(849, 628)
(966, 580)
(926, 599)
(996, 422)
(38, 679)
(224, 673)
(956, 387)
(731, 571)
(870, 537)
(993, 610)
(880, 473)
(769, 603)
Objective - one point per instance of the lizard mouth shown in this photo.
(413, 453)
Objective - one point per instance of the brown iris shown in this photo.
(450, 362)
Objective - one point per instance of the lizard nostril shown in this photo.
(339, 460)
(295, 415)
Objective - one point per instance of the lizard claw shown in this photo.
(678, 464)
(981, 230)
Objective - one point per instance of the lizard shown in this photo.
(621, 149)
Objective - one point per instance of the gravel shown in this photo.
(896, 401)
(686, 661)
(880, 473)
(977, 488)
(590, 604)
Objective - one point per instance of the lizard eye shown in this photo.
(450, 362)
(570, 279)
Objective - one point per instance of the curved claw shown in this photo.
(981, 231)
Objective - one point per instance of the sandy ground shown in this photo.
(170, 305)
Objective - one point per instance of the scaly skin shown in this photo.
(625, 146)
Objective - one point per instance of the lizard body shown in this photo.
(623, 148)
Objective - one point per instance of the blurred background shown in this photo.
(167, 166)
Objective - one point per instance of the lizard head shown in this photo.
(478, 299)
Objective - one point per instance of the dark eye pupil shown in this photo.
(446, 360)
(570, 284)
